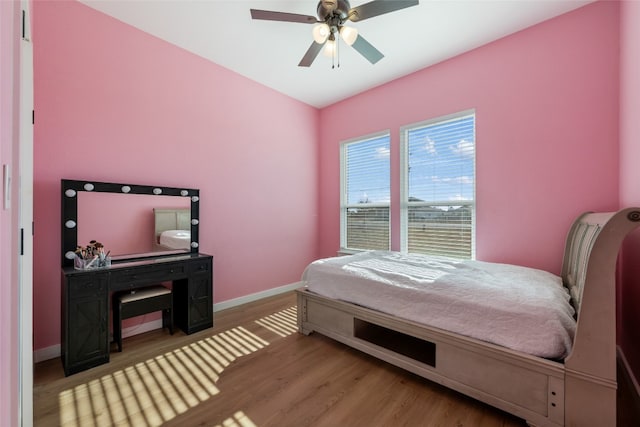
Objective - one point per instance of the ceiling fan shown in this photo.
(333, 14)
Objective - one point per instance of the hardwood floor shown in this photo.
(251, 369)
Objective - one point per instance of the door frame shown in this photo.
(25, 206)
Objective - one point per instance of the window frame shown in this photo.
(404, 176)
(344, 207)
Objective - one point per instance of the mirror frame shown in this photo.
(69, 219)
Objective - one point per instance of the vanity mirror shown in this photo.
(132, 221)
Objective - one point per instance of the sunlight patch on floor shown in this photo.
(283, 323)
(157, 390)
(239, 419)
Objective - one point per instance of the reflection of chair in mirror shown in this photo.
(141, 301)
(172, 229)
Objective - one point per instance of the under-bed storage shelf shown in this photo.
(406, 345)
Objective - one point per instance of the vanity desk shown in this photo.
(86, 302)
(86, 292)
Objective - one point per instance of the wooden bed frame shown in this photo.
(169, 219)
(579, 391)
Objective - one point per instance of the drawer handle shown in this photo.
(171, 271)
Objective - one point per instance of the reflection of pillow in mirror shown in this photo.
(176, 239)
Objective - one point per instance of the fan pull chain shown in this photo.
(333, 55)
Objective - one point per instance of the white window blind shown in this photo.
(365, 195)
(438, 186)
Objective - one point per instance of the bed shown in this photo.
(573, 383)
(172, 229)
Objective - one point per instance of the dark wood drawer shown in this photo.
(87, 286)
(200, 266)
(140, 276)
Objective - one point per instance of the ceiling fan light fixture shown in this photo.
(329, 49)
(321, 33)
(332, 15)
(348, 34)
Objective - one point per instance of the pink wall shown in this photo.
(630, 177)
(9, 124)
(546, 102)
(116, 104)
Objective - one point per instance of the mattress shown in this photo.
(176, 239)
(521, 308)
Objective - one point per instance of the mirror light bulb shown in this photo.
(70, 193)
(70, 224)
(88, 186)
(125, 188)
(157, 191)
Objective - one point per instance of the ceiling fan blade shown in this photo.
(379, 7)
(311, 54)
(268, 15)
(367, 50)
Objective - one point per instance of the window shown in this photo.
(365, 195)
(438, 186)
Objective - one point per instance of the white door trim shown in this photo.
(25, 203)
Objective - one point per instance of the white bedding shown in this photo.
(517, 307)
(176, 239)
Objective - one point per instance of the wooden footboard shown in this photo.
(528, 387)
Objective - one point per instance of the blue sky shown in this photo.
(441, 164)
(369, 166)
(441, 161)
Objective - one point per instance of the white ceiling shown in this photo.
(268, 52)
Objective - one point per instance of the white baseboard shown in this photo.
(53, 351)
(255, 297)
(46, 353)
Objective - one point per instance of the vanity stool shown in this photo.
(141, 301)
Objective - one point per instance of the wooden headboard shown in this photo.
(171, 219)
(581, 243)
(589, 272)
